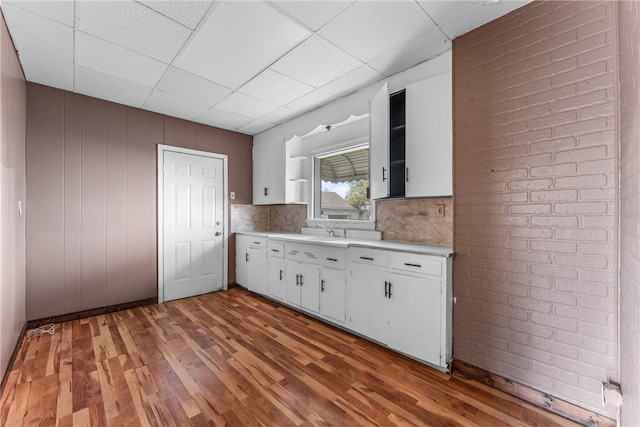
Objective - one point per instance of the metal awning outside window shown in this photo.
(348, 166)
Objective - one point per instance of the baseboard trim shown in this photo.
(88, 313)
(16, 350)
(531, 395)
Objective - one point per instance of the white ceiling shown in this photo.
(238, 65)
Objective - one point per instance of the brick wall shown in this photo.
(629, 60)
(534, 171)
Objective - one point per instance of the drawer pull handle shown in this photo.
(275, 250)
(408, 264)
(256, 243)
(332, 259)
(366, 258)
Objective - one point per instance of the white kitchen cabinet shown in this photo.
(242, 260)
(429, 137)
(411, 140)
(401, 300)
(333, 288)
(379, 144)
(251, 262)
(269, 172)
(302, 277)
(276, 270)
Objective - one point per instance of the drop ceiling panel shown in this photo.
(246, 105)
(443, 12)
(191, 87)
(39, 35)
(311, 100)
(316, 62)
(275, 87)
(255, 127)
(134, 26)
(59, 11)
(98, 55)
(424, 47)
(475, 17)
(223, 119)
(46, 71)
(277, 115)
(238, 41)
(360, 77)
(313, 14)
(188, 13)
(105, 86)
(369, 29)
(166, 103)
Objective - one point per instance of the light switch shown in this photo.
(232, 195)
(440, 211)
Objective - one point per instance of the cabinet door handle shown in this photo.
(332, 259)
(406, 174)
(322, 285)
(301, 280)
(408, 264)
(246, 257)
(297, 280)
(266, 191)
(366, 258)
(281, 274)
(390, 289)
(384, 170)
(386, 289)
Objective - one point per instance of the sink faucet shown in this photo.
(328, 230)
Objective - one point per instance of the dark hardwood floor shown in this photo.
(233, 358)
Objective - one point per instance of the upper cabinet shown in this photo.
(268, 173)
(411, 140)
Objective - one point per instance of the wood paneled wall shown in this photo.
(13, 114)
(91, 174)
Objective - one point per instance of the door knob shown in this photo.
(218, 233)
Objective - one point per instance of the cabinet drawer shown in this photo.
(276, 249)
(417, 264)
(368, 256)
(334, 259)
(258, 242)
(303, 253)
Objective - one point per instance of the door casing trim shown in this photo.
(159, 209)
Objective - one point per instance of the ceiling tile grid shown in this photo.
(239, 65)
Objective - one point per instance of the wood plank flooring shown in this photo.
(234, 358)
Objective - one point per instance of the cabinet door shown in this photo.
(414, 317)
(276, 278)
(366, 303)
(310, 287)
(429, 138)
(333, 296)
(292, 283)
(257, 270)
(242, 266)
(379, 144)
(268, 172)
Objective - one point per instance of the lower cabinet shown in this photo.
(333, 286)
(399, 299)
(302, 276)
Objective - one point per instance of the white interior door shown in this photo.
(193, 225)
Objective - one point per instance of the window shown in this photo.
(341, 185)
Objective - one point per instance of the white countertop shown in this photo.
(392, 245)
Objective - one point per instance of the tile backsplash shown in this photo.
(410, 220)
(415, 220)
(290, 218)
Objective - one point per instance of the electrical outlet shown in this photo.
(232, 195)
(440, 211)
